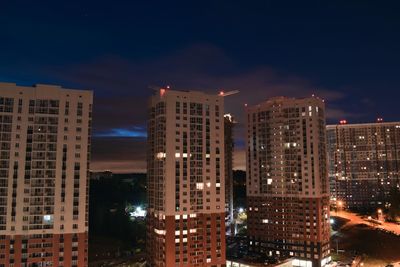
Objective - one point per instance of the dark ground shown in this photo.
(377, 247)
(112, 233)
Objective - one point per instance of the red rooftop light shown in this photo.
(343, 122)
(162, 91)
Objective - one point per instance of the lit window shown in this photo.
(161, 155)
(48, 219)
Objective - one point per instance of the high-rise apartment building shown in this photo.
(229, 145)
(45, 150)
(287, 180)
(185, 168)
(364, 162)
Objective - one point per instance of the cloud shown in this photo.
(239, 159)
(120, 154)
(122, 166)
(121, 132)
(336, 114)
(121, 94)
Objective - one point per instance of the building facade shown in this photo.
(287, 180)
(364, 162)
(186, 191)
(229, 146)
(45, 152)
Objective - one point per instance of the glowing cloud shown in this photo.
(121, 132)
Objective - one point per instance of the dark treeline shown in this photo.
(111, 229)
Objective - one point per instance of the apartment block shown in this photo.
(364, 162)
(229, 146)
(185, 168)
(45, 152)
(287, 180)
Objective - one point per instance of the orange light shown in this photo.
(221, 93)
(162, 91)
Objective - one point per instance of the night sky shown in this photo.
(347, 52)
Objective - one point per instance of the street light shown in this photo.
(380, 215)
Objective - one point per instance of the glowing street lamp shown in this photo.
(380, 215)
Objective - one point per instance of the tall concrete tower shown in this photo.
(287, 182)
(185, 168)
(44, 165)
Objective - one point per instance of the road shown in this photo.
(356, 219)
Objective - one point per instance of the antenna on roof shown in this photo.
(233, 92)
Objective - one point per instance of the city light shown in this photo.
(139, 212)
(162, 92)
(241, 210)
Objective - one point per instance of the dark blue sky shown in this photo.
(344, 51)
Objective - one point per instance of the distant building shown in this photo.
(364, 162)
(287, 180)
(45, 153)
(185, 179)
(229, 146)
(101, 175)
